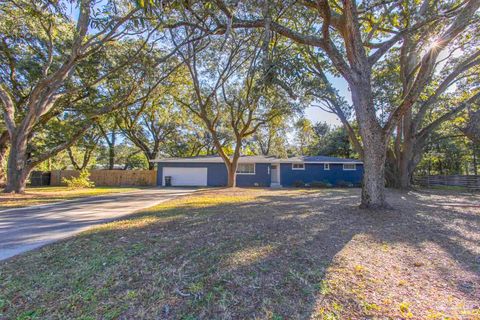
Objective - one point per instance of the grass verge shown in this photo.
(44, 195)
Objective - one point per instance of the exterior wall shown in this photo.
(217, 174)
(315, 172)
(261, 176)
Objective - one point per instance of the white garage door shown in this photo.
(186, 176)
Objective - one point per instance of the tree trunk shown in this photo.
(374, 145)
(405, 179)
(151, 165)
(153, 155)
(17, 168)
(373, 189)
(407, 156)
(232, 175)
(4, 140)
(475, 165)
(72, 159)
(111, 148)
(408, 169)
(405, 170)
(111, 156)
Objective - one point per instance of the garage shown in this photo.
(184, 176)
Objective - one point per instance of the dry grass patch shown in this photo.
(260, 254)
(45, 195)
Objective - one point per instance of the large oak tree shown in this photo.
(42, 46)
(46, 47)
(356, 38)
(231, 90)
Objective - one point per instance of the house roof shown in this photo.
(215, 158)
(261, 159)
(319, 159)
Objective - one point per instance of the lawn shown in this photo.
(45, 195)
(261, 254)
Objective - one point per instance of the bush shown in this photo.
(344, 184)
(298, 183)
(82, 181)
(321, 184)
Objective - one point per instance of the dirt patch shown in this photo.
(263, 254)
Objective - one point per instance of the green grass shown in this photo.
(250, 254)
(45, 195)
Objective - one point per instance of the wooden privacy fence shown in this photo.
(110, 177)
(471, 182)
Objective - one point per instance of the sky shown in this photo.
(316, 114)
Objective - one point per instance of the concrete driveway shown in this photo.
(24, 229)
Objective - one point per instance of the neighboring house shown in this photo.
(260, 171)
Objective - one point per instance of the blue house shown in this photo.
(262, 171)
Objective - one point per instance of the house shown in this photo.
(261, 171)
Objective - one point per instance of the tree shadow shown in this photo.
(260, 257)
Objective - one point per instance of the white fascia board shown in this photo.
(217, 160)
(206, 161)
(319, 162)
(186, 161)
(336, 162)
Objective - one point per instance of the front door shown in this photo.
(274, 174)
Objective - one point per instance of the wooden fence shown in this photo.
(110, 177)
(470, 182)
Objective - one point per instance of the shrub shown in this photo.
(82, 181)
(298, 183)
(344, 184)
(320, 184)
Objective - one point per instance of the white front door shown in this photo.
(275, 173)
(191, 177)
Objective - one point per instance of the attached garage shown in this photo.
(185, 176)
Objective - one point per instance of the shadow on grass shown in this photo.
(262, 255)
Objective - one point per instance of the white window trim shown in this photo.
(303, 168)
(247, 173)
(354, 166)
(326, 166)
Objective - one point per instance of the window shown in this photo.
(298, 166)
(349, 166)
(246, 168)
(326, 166)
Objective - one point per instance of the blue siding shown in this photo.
(315, 172)
(261, 176)
(217, 174)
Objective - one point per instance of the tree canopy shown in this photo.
(128, 80)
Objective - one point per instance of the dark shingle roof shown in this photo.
(216, 158)
(261, 159)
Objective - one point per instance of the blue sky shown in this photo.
(316, 114)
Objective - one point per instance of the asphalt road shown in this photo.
(24, 229)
